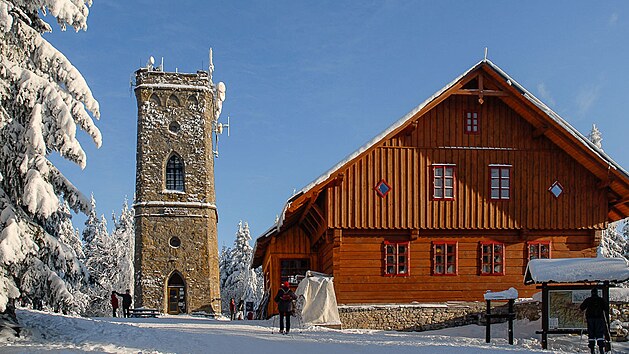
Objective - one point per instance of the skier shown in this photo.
(284, 299)
(596, 314)
(114, 302)
(232, 309)
(126, 302)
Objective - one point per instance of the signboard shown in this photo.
(563, 309)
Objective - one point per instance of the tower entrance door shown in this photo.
(176, 294)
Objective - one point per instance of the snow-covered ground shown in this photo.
(53, 333)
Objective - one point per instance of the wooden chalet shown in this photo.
(450, 201)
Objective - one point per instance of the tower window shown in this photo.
(174, 174)
(174, 127)
(155, 100)
(174, 242)
(173, 101)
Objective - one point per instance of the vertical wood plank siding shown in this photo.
(406, 160)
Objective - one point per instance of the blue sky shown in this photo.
(309, 82)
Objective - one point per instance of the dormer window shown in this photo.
(471, 123)
(175, 174)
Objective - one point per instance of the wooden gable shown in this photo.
(523, 132)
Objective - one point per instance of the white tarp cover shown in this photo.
(317, 301)
(576, 270)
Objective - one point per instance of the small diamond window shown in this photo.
(382, 188)
(556, 189)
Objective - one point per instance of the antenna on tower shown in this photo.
(219, 128)
(211, 66)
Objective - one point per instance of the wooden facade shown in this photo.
(341, 223)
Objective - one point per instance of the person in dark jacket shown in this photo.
(232, 309)
(126, 302)
(114, 302)
(596, 315)
(284, 299)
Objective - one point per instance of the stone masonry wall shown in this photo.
(175, 116)
(423, 317)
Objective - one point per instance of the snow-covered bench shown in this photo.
(143, 312)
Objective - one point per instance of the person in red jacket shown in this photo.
(114, 302)
(232, 309)
(284, 299)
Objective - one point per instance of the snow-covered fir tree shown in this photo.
(613, 242)
(43, 98)
(124, 238)
(109, 258)
(596, 137)
(60, 225)
(224, 266)
(240, 281)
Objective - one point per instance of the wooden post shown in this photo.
(488, 322)
(545, 316)
(511, 316)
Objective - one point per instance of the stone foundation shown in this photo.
(425, 317)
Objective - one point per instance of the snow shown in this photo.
(509, 294)
(575, 270)
(45, 333)
(174, 87)
(175, 204)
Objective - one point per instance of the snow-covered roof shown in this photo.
(529, 96)
(407, 117)
(509, 294)
(576, 270)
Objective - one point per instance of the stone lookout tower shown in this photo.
(176, 248)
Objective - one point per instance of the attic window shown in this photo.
(556, 189)
(382, 188)
(471, 123)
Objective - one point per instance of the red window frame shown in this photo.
(492, 258)
(445, 258)
(535, 250)
(499, 182)
(472, 125)
(440, 181)
(397, 259)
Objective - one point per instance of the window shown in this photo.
(500, 181)
(471, 123)
(539, 250)
(444, 259)
(174, 174)
(492, 259)
(443, 182)
(556, 189)
(174, 242)
(293, 270)
(174, 127)
(396, 258)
